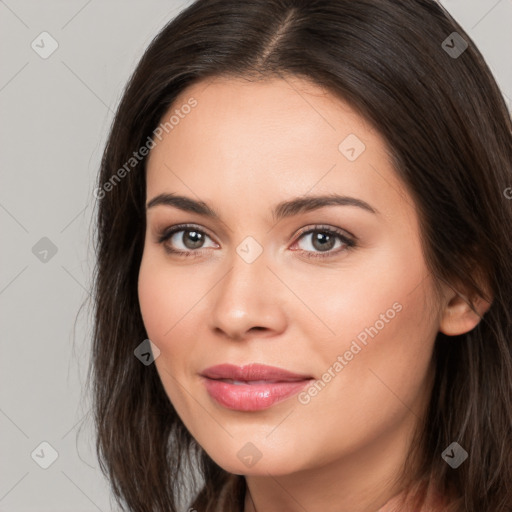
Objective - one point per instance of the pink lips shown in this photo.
(252, 387)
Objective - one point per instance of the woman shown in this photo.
(304, 206)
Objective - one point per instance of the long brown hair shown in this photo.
(438, 107)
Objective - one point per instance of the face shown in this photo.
(337, 293)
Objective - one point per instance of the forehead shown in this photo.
(230, 110)
(273, 138)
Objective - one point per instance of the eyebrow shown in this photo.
(282, 210)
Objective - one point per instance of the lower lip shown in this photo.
(252, 397)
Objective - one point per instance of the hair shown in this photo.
(449, 134)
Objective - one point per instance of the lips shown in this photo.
(252, 373)
(252, 387)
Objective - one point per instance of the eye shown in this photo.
(187, 240)
(187, 237)
(323, 239)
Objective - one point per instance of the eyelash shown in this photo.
(167, 233)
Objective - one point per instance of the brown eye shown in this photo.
(192, 239)
(183, 240)
(324, 240)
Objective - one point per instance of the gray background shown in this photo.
(55, 114)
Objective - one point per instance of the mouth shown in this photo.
(252, 373)
(254, 382)
(252, 387)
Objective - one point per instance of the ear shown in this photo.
(458, 317)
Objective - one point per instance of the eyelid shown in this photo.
(345, 236)
(165, 233)
(348, 240)
(320, 227)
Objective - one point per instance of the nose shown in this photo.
(249, 301)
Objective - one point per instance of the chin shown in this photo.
(249, 462)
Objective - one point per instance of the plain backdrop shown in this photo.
(54, 118)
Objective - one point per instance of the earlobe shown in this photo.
(458, 317)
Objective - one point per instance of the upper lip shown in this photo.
(251, 372)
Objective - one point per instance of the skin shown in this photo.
(244, 148)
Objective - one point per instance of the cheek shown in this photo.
(166, 304)
(376, 294)
(154, 301)
(165, 296)
(169, 299)
(384, 331)
(377, 367)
